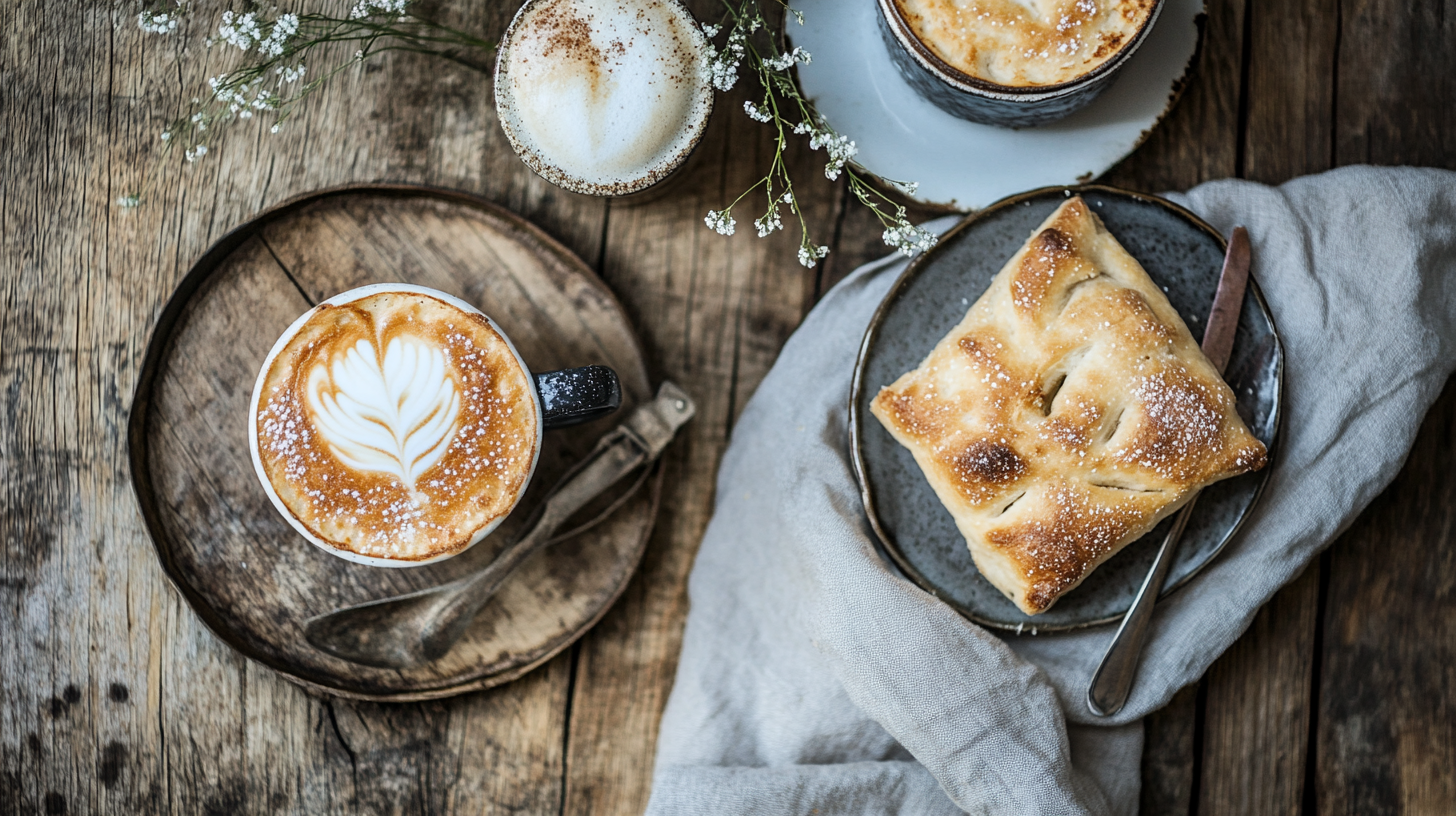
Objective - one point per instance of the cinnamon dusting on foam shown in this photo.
(1025, 43)
(603, 92)
(396, 426)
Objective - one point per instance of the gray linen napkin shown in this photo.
(813, 679)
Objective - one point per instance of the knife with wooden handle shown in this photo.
(1114, 676)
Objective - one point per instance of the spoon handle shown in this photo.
(1113, 678)
(606, 464)
(638, 441)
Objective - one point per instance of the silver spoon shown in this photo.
(1112, 681)
(421, 627)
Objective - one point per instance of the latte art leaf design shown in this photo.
(396, 415)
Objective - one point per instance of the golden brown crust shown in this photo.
(486, 444)
(1067, 414)
(1025, 43)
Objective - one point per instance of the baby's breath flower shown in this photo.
(810, 254)
(710, 31)
(720, 222)
(156, 23)
(840, 150)
(195, 152)
(290, 73)
(907, 237)
(781, 94)
(767, 223)
(907, 187)
(723, 67)
(370, 8)
(129, 200)
(756, 113)
(239, 30)
(784, 62)
(283, 29)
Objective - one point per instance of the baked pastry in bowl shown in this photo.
(1067, 413)
(1013, 62)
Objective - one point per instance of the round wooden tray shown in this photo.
(246, 573)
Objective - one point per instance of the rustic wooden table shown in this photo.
(1341, 697)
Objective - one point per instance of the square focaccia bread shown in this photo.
(1067, 414)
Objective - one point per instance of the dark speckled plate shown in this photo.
(1183, 255)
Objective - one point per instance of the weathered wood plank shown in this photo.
(1291, 91)
(1396, 83)
(1168, 751)
(1385, 737)
(1256, 721)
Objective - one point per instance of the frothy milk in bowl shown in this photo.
(603, 97)
(395, 425)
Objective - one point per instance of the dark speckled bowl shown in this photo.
(1183, 255)
(980, 100)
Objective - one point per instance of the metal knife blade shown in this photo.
(1228, 301)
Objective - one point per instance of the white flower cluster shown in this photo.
(908, 238)
(810, 255)
(768, 223)
(756, 113)
(290, 73)
(369, 8)
(245, 32)
(195, 152)
(907, 187)
(723, 68)
(720, 222)
(154, 22)
(784, 62)
(841, 150)
(129, 200)
(237, 100)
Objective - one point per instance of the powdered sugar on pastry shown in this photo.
(1022, 43)
(1067, 414)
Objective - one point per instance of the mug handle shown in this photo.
(572, 396)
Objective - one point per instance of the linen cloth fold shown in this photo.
(814, 679)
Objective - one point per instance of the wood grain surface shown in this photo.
(114, 698)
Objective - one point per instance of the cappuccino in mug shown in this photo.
(395, 425)
(603, 97)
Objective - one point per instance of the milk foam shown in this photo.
(604, 91)
(396, 415)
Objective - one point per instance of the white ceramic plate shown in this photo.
(963, 164)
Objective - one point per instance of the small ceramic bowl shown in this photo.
(588, 70)
(980, 100)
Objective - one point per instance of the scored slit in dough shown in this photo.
(1067, 414)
